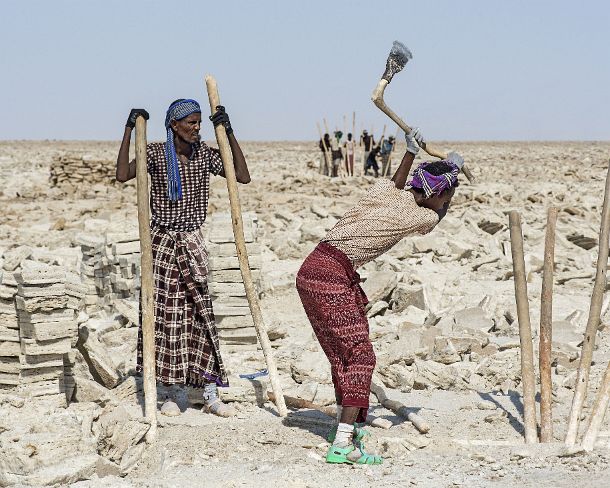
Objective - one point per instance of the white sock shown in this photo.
(345, 432)
(339, 412)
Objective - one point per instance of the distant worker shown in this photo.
(371, 161)
(350, 153)
(367, 141)
(187, 349)
(324, 158)
(386, 150)
(336, 152)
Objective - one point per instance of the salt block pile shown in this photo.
(40, 331)
(110, 268)
(233, 318)
(10, 366)
(72, 170)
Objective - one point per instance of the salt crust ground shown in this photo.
(259, 449)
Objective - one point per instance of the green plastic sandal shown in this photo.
(339, 455)
(359, 434)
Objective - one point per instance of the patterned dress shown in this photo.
(329, 286)
(186, 339)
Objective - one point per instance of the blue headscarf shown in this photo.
(176, 111)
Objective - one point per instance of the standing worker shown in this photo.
(329, 286)
(386, 150)
(186, 340)
(324, 145)
(371, 161)
(336, 153)
(367, 141)
(350, 153)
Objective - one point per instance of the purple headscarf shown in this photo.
(433, 184)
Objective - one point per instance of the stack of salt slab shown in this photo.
(10, 366)
(92, 270)
(72, 170)
(233, 319)
(47, 304)
(122, 253)
(110, 268)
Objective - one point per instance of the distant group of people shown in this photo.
(334, 152)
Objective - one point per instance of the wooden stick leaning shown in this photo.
(240, 244)
(147, 283)
(354, 142)
(325, 149)
(398, 408)
(597, 296)
(525, 330)
(546, 329)
(598, 412)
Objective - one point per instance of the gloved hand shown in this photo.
(456, 159)
(414, 140)
(133, 115)
(221, 117)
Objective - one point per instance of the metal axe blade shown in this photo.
(397, 59)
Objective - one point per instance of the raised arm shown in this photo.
(242, 174)
(125, 170)
(402, 173)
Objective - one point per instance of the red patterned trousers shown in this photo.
(330, 291)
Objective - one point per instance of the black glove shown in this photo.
(133, 115)
(221, 117)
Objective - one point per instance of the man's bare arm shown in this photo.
(125, 170)
(402, 173)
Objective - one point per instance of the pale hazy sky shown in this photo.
(507, 70)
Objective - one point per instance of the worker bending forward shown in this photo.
(329, 286)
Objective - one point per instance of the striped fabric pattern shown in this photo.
(434, 184)
(186, 339)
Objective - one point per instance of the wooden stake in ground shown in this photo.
(546, 329)
(326, 150)
(240, 244)
(586, 354)
(398, 408)
(147, 283)
(525, 329)
(354, 139)
(598, 412)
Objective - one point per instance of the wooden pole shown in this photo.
(326, 151)
(398, 408)
(598, 412)
(354, 139)
(546, 329)
(147, 283)
(525, 329)
(347, 172)
(586, 354)
(240, 244)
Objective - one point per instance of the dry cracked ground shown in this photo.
(442, 317)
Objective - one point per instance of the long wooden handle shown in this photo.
(528, 379)
(147, 284)
(240, 244)
(398, 408)
(546, 329)
(379, 102)
(586, 354)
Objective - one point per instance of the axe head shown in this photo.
(398, 58)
